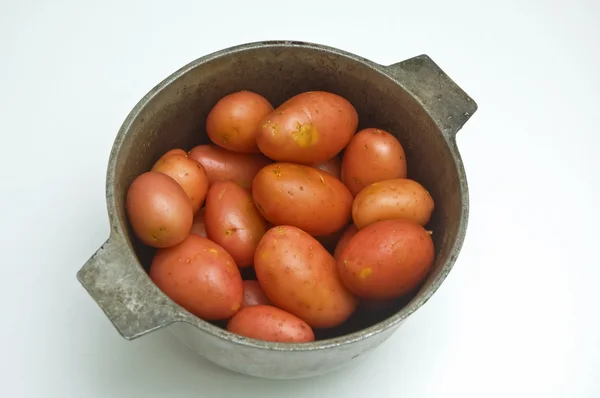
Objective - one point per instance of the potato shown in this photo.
(188, 173)
(223, 165)
(200, 276)
(302, 196)
(300, 276)
(264, 322)
(333, 166)
(159, 210)
(233, 222)
(254, 295)
(387, 259)
(232, 123)
(391, 199)
(349, 232)
(198, 226)
(309, 128)
(175, 151)
(372, 155)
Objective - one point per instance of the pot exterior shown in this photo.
(274, 364)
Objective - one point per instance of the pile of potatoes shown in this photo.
(274, 192)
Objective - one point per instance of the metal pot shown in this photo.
(413, 99)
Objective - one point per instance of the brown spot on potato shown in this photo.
(230, 231)
(305, 135)
(275, 129)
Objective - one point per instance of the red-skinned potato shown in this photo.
(309, 128)
(300, 276)
(391, 199)
(254, 294)
(233, 121)
(159, 210)
(302, 196)
(233, 222)
(386, 260)
(372, 155)
(175, 151)
(188, 173)
(268, 323)
(223, 165)
(200, 276)
(333, 166)
(349, 232)
(198, 226)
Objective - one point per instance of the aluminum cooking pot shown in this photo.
(414, 99)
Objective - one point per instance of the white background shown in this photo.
(519, 316)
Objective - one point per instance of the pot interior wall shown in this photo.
(175, 118)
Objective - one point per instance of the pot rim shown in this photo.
(184, 316)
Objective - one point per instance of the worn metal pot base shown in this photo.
(414, 100)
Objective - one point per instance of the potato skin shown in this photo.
(300, 276)
(175, 151)
(233, 222)
(349, 232)
(188, 173)
(333, 166)
(386, 200)
(158, 210)
(265, 322)
(372, 155)
(198, 226)
(309, 128)
(302, 196)
(200, 276)
(254, 294)
(223, 165)
(233, 121)
(387, 259)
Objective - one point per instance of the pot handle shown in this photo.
(448, 105)
(124, 291)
